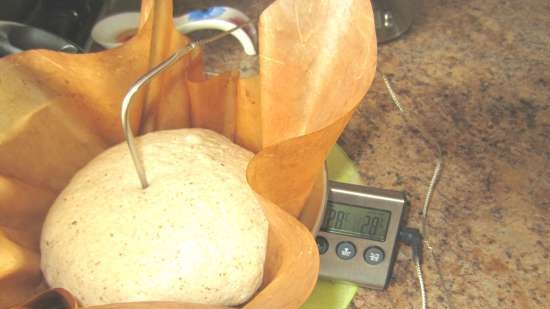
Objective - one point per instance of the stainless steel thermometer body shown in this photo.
(357, 240)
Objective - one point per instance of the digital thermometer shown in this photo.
(357, 239)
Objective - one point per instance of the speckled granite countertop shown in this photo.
(475, 76)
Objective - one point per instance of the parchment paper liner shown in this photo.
(317, 60)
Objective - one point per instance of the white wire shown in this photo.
(392, 93)
(421, 282)
(438, 163)
(429, 193)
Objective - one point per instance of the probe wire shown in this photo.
(429, 193)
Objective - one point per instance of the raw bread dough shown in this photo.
(196, 234)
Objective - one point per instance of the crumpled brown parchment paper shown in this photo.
(317, 60)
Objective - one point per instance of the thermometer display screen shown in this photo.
(356, 221)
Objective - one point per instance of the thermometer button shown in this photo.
(322, 244)
(374, 255)
(345, 250)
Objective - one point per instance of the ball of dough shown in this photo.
(196, 234)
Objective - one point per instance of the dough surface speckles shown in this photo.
(196, 234)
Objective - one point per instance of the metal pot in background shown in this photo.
(393, 18)
(16, 37)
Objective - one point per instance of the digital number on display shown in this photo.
(356, 221)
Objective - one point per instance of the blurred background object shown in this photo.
(16, 37)
(393, 18)
(69, 19)
(73, 20)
